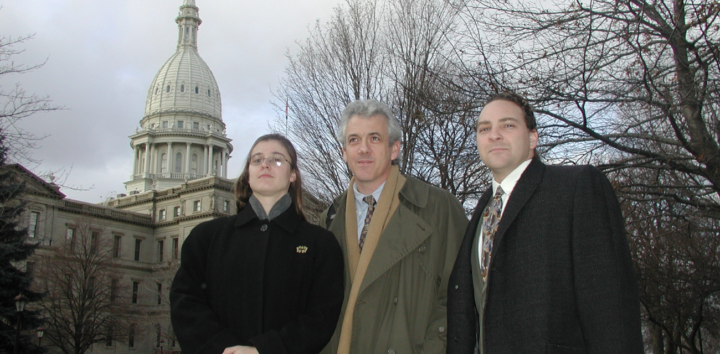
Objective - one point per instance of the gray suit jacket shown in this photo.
(561, 279)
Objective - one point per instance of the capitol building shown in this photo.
(179, 179)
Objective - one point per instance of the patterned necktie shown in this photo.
(491, 220)
(371, 208)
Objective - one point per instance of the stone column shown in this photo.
(170, 159)
(211, 170)
(223, 171)
(152, 159)
(147, 158)
(187, 159)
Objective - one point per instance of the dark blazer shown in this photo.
(277, 286)
(561, 279)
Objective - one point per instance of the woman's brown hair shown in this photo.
(242, 186)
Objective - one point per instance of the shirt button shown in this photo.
(441, 329)
(263, 228)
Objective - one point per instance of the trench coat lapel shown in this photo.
(522, 192)
(402, 235)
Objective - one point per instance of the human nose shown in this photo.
(494, 134)
(363, 147)
(265, 162)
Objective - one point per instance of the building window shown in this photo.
(91, 288)
(161, 214)
(33, 223)
(196, 89)
(196, 125)
(117, 241)
(182, 88)
(94, 242)
(29, 267)
(176, 211)
(193, 164)
(137, 249)
(70, 238)
(180, 124)
(131, 336)
(160, 247)
(163, 163)
(157, 89)
(159, 293)
(135, 289)
(113, 289)
(178, 162)
(167, 89)
(158, 335)
(109, 335)
(226, 205)
(175, 248)
(165, 124)
(197, 205)
(208, 92)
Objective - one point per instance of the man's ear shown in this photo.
(395, 150)
(533, 138)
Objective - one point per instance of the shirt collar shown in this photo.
(288, 220)
(376, 194)
(508, 184)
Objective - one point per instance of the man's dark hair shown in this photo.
(521, 102)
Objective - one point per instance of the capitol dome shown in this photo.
(181, 136)
(185, 83)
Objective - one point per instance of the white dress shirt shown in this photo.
(361, 207)
(508, 184)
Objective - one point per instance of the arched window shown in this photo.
(163, 163)
(208, 92)
(178, 163)
(196, 89)
(157, 89)
(167, 89)
(193, 164)
(182, 88)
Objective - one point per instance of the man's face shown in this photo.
(368, 152)
(503, 139)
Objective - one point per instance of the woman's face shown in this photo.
(270, 173)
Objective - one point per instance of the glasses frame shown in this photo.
(278, 161)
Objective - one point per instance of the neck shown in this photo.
(268, 201)
(369, 187)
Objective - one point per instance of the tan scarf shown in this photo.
(358, 262)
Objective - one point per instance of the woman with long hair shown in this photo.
(262, 281)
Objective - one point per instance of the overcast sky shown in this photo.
(102, 56)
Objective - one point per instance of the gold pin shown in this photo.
(301, 249)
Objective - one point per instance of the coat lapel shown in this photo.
(522, 192)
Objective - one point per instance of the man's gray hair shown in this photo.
(367, 109)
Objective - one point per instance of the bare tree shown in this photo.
(395, 52)
(84, 302)
(625, 84)
(17, 104)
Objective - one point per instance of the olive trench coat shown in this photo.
(402, 303)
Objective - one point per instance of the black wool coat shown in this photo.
(561, 279)
(276, 285)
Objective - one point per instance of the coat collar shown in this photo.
(414, 192)
(288, 220)
(522, 192)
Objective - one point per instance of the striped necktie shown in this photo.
(371, 208)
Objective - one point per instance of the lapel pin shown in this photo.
(301, 249)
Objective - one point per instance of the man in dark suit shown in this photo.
(544, 266)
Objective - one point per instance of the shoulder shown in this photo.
(205, 230)
(575, 172)
(424, 195)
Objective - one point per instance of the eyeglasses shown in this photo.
(273, 160)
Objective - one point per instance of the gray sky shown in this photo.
(102, 56)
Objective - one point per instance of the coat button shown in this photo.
(263, 228)
(391, 351)
(395, 300)
(441, 329)
(422, 249)
(457, 286)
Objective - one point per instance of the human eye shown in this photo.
(352, 140)
(277, 160)
(375, 138)
(483, 129)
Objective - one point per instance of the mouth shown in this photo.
(364, 162)
(265, 175)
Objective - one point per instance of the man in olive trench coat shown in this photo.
(400, 305)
